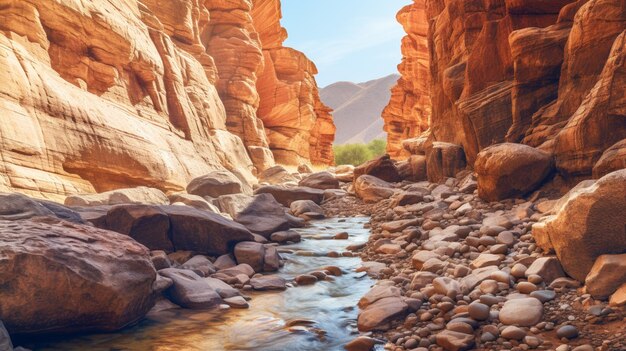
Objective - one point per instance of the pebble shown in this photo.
(513, 333)
(567, 331)
(526, 287)
(479, 311)
(543, 295)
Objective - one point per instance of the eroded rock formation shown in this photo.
(299, 126)
(107, 94)
(547, 74)
(409, 110)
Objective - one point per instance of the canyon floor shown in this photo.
(398, 265)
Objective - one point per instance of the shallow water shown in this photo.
(316, 317)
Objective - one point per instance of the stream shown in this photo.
(314, 317)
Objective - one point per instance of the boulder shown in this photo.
(139, 195)
(268, 282)
(286, 236)
(378, 315)
(276, 175)
(613, 159)
(194, 201)
(320, 180)
(444, 160)
(606, 276)
(548, 268)
(382, 168)
(190, 290)
(618, 299)
(371, 189)
(511, 170)
(250, 253)
(17, 206)
(204, 232)
(378, 292)
(201, 265)
(147, 224)
(215, 184)
(104, 279)
(285, 195)
(301, 207)
(413, 169)
(263, 215)
(588, 223)
(62, 212)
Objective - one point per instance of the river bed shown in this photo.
(314, 317)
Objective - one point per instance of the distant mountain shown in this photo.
(358, 107)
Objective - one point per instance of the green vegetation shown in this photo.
(356, 154)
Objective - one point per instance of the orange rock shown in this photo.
(105, 94)
(298, 131)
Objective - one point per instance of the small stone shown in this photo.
(543, 295)
(455, 341)
(460, 327)
(584, 348)
(513, 333)
(526, 287)
(306, 279)
(567, 331)
(519, 270)
(341, 236)
(479, 311)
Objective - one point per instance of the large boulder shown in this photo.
(511, 170)
(589, 222)
(204, 232)
(382, 168)
(444, 160)
(139, 195)
(61, 277)
(215, 184)
(147, 224)
(287, 195)
(320, 180)
(371, 189)
(234, 203)
(190, 290)
(264, 216)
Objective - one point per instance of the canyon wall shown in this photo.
(547, 74)
(105, 94)
(299, 126)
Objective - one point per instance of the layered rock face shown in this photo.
(299, 126)
(409, 110)
(546, 74)
(107, 94)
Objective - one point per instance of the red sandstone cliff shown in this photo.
(299, 126)
(105, 94)
(548, 74)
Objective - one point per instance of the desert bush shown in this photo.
(356, 154)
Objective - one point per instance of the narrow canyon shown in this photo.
(168, 181)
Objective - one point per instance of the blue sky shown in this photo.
(351, 40)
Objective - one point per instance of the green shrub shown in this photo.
(356, 154)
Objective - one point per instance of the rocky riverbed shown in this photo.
(224, 266)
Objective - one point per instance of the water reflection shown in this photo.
(315, 317)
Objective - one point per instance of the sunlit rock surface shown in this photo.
(299, 126)
(106, 94)
(547, 74)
